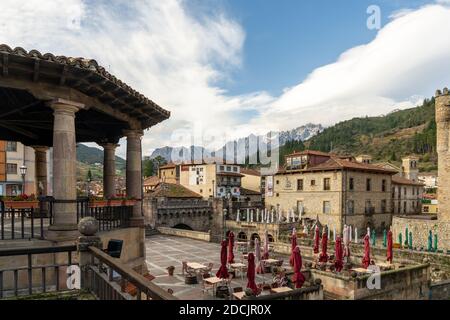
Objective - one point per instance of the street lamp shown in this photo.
(23, 172)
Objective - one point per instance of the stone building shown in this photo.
(251, 179)
(212, 179)
(174, 206)
(337, 190)
(14, 155)
(169, 173)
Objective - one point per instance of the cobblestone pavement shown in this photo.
(164, 251)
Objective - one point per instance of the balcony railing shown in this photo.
(35, 278)
(30, 223)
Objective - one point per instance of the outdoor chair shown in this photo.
(186, 269)
(114, 248)
(207, 272)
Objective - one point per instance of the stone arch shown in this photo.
(255, 236)
(271, 238)
(183, 226)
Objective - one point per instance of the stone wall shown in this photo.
(420, 229)
(409, 283)
(440, 291)
(161, 212)
(203, 236)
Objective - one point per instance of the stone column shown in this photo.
(40, 154)
(134, 174)
(64, 225)
(443, 150)
(109, 169)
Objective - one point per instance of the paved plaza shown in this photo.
(164, 251)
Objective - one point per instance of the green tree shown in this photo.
(149, 169)
(89, 175)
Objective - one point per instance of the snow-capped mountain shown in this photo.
(301, 133)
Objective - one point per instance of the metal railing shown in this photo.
(50, 274)
(107, 279)
(26, 223)
(30, 223)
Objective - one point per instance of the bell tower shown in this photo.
(443, 149)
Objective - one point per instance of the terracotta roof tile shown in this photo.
(251, 172)
(172, 190)
(404, 181)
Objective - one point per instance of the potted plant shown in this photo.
(171, 270)
(129, 202)
(22, 201)
(97, 202)
(116, 201)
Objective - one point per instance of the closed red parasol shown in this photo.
(366, 258)
(293, 246)
(298, 278)
(316, 240)
(251, 284)
(230, 247)
(223, 271)
(390, 254)
(323, 257)
(338, 252)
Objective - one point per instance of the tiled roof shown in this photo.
(73, 65)
(340, 164)
(404, 181)
(168, 166)
(151, 181)
(172, 190)
(248, 192)
(310, 152)
(251, 172)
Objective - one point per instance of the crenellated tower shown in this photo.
(443, 149)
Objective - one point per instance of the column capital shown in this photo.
(135, 133)
(109, 145)
(65, 106)
(40, 148)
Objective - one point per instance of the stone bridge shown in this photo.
(180, 214)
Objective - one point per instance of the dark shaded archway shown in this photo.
(242, 236)
(183, 226)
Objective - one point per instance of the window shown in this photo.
(326, 184)
(368, 184)
(399, 206)
(300, 184)
(351, 184)
(222, 168)
(404, 207)
(383, 185)
(383, 206)
(326, 207)
(350, 207)
(201, 190)
(369, 208)
(278, 182)
(426, 209)
(405, 191)
(228, 168)
(11, 168)
(235, 169)
(313, 182)
(11, 146)
(277, 195)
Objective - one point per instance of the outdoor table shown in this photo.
(213, 281)
(270, 261)
(385, 265)
(240, 267)
(239, 295)
(197, 267)
(280, 290)
(361, 270)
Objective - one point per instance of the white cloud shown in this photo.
(408, 58)
(177, 59)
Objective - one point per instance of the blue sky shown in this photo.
(287, 39)
(229, 68)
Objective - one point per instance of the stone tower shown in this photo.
(410, 169)
(443, 149)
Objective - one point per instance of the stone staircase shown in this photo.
(149, 231)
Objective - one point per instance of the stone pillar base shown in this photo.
(137, 222)
(58, 233)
